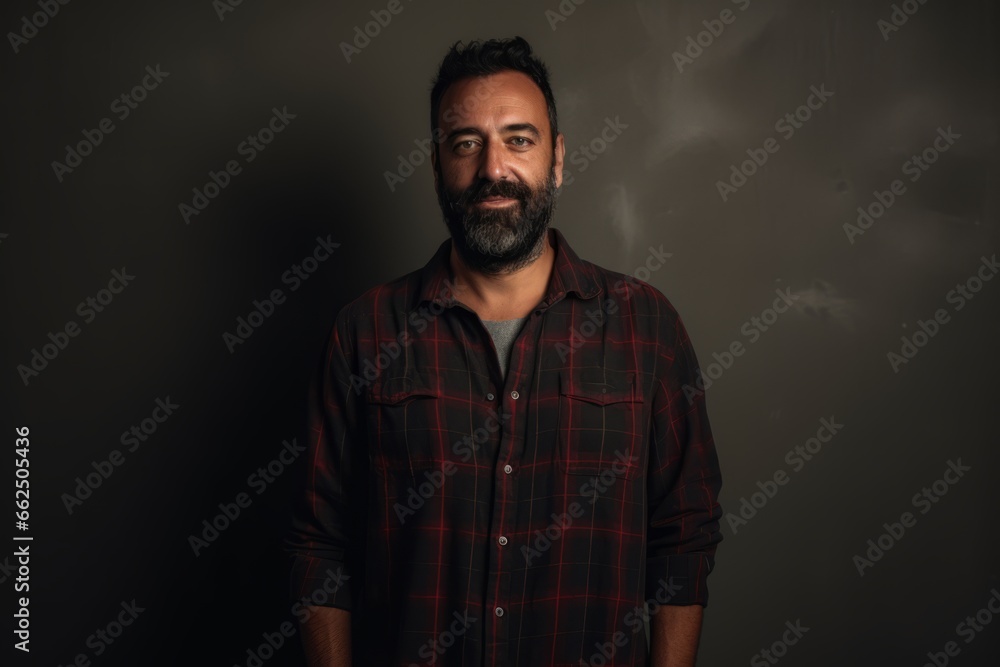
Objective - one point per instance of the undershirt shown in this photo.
(504, 332)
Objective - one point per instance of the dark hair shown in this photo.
(491, 57)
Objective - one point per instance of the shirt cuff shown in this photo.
(319, 582)
(680, 579)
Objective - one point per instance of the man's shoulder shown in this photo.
(392, 296)
(642, 298)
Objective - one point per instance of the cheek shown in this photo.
(458, 182)
(457, 176)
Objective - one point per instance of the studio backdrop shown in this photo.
(192, 190)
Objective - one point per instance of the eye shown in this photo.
(525, 142)
(466, 146)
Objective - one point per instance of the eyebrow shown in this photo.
(506, 129)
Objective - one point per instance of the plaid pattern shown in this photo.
(534, 520)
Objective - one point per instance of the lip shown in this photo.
(503, 201)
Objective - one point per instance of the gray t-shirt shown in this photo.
(504, 332)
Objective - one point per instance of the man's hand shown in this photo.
(675, 631)
(326, 637)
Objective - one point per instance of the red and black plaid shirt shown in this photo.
(536, 520)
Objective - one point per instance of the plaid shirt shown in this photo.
(537, 520)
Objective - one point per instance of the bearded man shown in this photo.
(504, 467)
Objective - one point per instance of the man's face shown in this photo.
(495, 170)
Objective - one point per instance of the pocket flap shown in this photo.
(389, 391)
(600, 386)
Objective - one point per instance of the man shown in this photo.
(503, 466)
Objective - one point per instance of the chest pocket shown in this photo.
(601, 422)
(403, 413)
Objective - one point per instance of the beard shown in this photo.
(502, 239)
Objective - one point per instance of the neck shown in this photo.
(506, 295)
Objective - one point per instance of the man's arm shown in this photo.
(326, 538)
(683, 487)
(326, 637)
(675, 631)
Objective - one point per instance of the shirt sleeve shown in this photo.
(684, 478)
(326, 538)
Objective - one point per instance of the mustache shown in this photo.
(486, 189)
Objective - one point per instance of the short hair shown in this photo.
(491, 57)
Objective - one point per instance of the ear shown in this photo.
(557, 159)
(434, 164)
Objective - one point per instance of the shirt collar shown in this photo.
(570, 275)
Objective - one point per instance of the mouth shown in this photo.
(496, 201)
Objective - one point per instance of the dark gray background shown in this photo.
(655, 185)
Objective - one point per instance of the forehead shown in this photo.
(489, 99)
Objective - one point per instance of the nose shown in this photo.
(493, 163)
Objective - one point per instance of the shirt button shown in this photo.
(507, 468)
(490, 397)
(502, 540)
(499, 611)
(514, 395)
